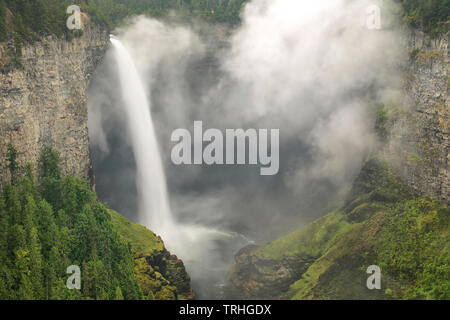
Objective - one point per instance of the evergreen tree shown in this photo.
(119, 295)
(47, 227)
(3, 29)
(35, 266)
(13, 206)
(13, 165)
(50, 176)
(3, 230)
(150, 295)
(49, 164)
(53, 273)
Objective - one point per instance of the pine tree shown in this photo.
(3, 230)
(50, 177)
(3, 29)
(13, 165)
(150, 295)
(29, 216)
(47, 227)
(52, 272)
(119, 295)
(36, 265)
(49, 164)
(13, 206)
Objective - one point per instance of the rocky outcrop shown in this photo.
(255, 276)
(44, 103)
(418, 146)
(164, 275)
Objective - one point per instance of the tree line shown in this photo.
(30, 19)
(432, 16)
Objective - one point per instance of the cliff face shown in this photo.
(418, 146)
(45, 104)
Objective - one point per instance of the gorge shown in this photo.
(363, 140)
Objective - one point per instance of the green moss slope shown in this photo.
(160, 275)
(408, 241)
(141, 240)
(381, 224)
(406, 236)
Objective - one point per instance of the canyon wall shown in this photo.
(44, 103)
(418, 144)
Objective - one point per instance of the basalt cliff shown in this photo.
(44, 102)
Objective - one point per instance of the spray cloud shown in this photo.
(307, 68)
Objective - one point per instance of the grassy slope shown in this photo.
(142, 240)
(160, 276)
(312, 240)
(381, 224)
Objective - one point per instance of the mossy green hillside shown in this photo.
(160, 275)
(142, 241)
(382, 224)
(408, 241)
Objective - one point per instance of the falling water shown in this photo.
(151, 182)
(206, 252)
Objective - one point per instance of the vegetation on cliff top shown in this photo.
(382, 224)
(30, 20)
(25, 21)
(54, 222)
(432, 16)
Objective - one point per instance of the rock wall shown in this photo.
(418, 145)
(257, 277)
(45, 104)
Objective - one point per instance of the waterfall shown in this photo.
(202, 248)
(154, 209)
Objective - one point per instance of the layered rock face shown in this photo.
(418, 146)
(45, 104)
